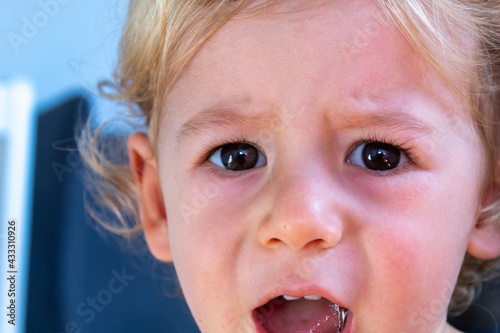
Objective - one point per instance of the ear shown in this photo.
(149, 195)
(484, 241)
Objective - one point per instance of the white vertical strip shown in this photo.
(3, 108)
(18, 128)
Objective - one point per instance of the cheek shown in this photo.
(205, 231)
(410, 265)
(416, 230)
(210, 209)
(208, 221)
(430, 208)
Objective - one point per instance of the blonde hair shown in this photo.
(160, 37)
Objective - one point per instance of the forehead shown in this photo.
(297, 53)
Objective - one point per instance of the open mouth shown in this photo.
(308, 314)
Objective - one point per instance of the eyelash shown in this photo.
(211, 147)
(368, 138)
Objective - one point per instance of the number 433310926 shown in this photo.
(11, 245)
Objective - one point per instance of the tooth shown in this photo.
(290, 298)
(344, 314)
(313, 297)
(344, 317)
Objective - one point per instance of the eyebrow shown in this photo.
(389, 120)
(222, 119)
(225, 119)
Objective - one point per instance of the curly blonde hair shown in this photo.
(160, 37)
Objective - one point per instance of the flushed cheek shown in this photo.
(396, 191)
(419, 216)
(420, 202)
(403, 280)
(403, 210)
(414, 245)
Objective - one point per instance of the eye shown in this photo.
(377, 156)
(238, 157)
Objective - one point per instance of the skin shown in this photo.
(314, 83)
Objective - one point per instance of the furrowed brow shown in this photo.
(389, 120)
(223, 120)
(220, 120)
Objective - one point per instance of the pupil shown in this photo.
(381, 156)
(239, 156)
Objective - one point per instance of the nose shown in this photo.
(304, 213)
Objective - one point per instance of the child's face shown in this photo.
(316, 212)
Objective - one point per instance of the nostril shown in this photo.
(318, 242)
(315, 243)
(273, 241)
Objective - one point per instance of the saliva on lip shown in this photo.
(336, 311)
(340, 314)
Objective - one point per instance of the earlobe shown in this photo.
(484, 242)
(152, 212)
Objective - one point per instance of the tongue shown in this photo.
(301, 316)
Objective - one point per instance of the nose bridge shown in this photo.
(303, 213)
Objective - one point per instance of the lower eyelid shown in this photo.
(396, 171)
(221, 172)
